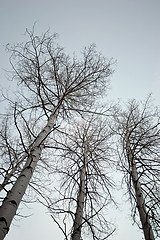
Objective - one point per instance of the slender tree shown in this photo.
(139, 131)
(52, 87)
(84, 161)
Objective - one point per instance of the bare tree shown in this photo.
(84, 162)
(52, 87)
(139, 150)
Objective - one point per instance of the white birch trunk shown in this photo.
(15, 195)
(146, 226)
(80, 201)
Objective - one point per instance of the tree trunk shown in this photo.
(15, 195)
(76, 235)
(144, 218)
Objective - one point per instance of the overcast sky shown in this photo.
(127, 30)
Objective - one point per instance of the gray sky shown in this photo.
(127, 30)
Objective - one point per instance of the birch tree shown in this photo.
(139, 130)
(84, 161)
(51, 87)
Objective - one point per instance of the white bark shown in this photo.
(15, 195)
(81, 199)
(144, 218)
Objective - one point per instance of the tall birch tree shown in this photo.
(139, 150)
(84, 161)
(52, 87)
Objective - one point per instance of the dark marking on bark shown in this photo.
(29, 167)
(140, 195)
(2, 219)
(22, 175)
(13, 202)
(6, 228)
